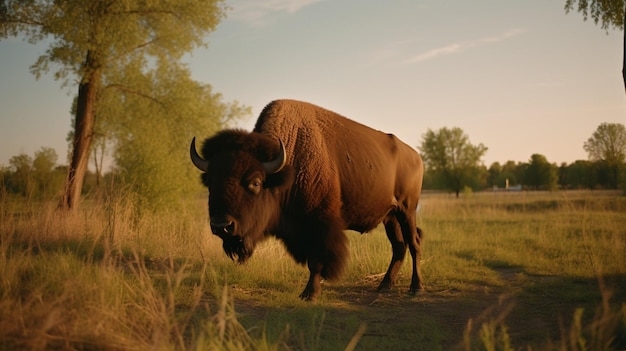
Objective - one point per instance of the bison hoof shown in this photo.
(416, 291)
(308, 296)
(384, 286)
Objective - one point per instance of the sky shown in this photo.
(520, 77)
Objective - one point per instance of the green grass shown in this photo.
(541, 271)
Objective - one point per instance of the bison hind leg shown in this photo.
(415, 247)
(402, 234)
(398, 248)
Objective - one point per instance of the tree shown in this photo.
(44, 165)
(21, 180)
(45, 160)
(607, 146)
(502, 176)
(98, 152)
(449, 155)
(493, 175)
(5, 174)
(36, 177)
(93, 41)
(151, 155)
(580, 175)
(540, 174)
(606, 12)
(607, 143)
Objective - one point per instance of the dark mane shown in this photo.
(261, 146)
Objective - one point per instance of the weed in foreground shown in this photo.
(601, 333)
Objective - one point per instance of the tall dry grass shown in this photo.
(106, 278)
(112, 276)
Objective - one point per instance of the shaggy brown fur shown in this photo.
(347, 176)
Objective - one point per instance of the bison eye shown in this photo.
(255, 186)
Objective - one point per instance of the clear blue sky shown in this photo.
(521, 77)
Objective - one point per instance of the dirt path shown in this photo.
(534, 310)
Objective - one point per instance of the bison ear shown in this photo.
(281, 180)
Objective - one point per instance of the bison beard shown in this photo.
(235, 248)
(304, 175)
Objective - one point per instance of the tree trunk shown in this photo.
(624, 48)
(98, 163)
(83, 135)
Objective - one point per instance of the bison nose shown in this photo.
(224, 227)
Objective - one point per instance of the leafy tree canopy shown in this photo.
(607, 146)
(45, 160)
(33, 177)
(541, 174)
(152, 152)
(116, 33)
(607, 13)
(608, 143)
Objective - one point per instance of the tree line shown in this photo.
(39, 177)
(452, 163)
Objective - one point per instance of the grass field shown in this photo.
(503, 271)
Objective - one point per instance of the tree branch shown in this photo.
(145, 12)
(136, 92)
(140, 46)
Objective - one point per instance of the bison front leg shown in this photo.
(327, 256)
(313, 287)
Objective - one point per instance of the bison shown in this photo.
(306, 174)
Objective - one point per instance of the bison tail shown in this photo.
(420, 232)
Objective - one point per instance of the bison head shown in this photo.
(246, 174)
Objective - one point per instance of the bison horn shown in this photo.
(275, 165)
(200, 163)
